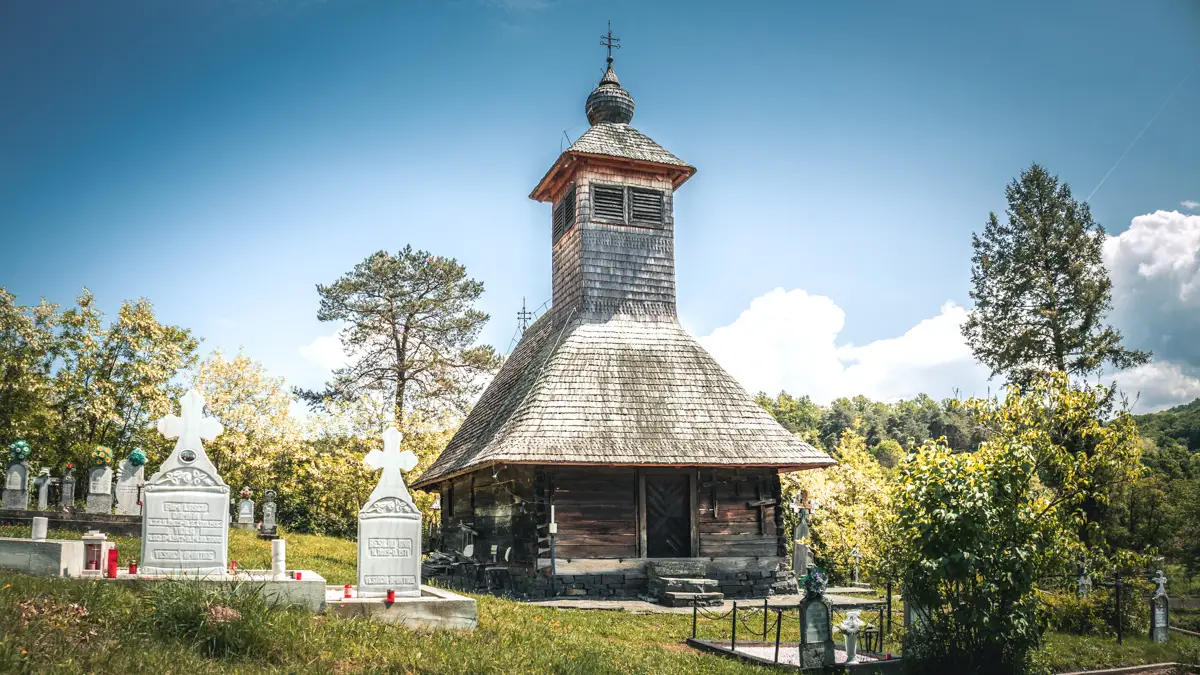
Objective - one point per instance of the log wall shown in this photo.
(596, 511)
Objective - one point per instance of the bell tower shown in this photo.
(612, 232)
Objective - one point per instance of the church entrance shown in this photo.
(668, 516)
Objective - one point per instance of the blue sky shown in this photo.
(223, 157)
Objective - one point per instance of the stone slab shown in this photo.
(308, 593)
(435, 609)
(51, 557)
(185, 527)
(101, 504)
(112, 525)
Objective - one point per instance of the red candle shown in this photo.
(112, 563)
(346, 591)
(391, 596)
(133, 567)
(298, 576)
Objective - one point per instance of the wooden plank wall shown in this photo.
(596, 511)
(735, 529)
(493, 506)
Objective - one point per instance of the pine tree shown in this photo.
(1041, 290)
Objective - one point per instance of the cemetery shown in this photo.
(606, 494)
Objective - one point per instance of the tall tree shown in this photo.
(1040, 287)
(27, 350)
(411, 326)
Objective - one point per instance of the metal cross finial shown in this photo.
(524, 317)
(610, 42)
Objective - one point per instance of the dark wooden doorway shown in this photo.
(668, 516)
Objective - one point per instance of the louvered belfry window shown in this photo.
(629, 205)
(608, 203)
(564, 215)
(646, 206)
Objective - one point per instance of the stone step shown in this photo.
(681, 568)
(660, 585)
(674, 599)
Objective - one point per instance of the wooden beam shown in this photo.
(641, 513)
(693, 511)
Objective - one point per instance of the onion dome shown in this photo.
(609, 102)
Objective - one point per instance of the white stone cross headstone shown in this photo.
(192, 426)
(389, 526)
(185, 510)
(857, 555)
(1161, 581)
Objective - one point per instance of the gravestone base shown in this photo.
(99, 504)
(242, 526)
(16, 499)
(433, 609)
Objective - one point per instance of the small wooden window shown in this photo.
(608, 203)
(564, 215)
(646, 206)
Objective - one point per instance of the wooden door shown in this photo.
(668, 516)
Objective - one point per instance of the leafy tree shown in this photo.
(1040, 287)
(110, 383)
(851, 500)
(27, 349)
(411, 328)
(973, 531)
(801, 416)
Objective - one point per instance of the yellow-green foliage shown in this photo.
(851, 501)
(975, 530)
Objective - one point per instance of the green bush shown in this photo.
(1065, 612)
(217, 619)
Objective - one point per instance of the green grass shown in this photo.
(57, 625)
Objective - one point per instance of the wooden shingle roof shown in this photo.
(631, 391)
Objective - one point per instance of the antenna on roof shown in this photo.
(610, 42)
(523, 317)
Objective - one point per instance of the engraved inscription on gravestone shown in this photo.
(16, 485)
(185, 522)
(816, 649)
(129, 488)
(99, 499)
(389, 527)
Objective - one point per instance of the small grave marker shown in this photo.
(1160, 610)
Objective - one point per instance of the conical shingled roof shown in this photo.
(627, 391)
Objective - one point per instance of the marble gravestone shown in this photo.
(268, 521)
(816, 633)
(42, 483)
(130, 479)
(245, 512)
(66, 499)
(389, 526)
(185, 514)
(1160, 610)
(16, 485)
(99, 499)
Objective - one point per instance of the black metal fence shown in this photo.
(754, 622)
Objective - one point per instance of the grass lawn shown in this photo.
(56, 625)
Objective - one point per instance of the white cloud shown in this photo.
(1155, 270)
(326, 351)
(787, 340)
(1158, 385)
(1189, 204)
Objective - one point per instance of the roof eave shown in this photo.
(783, 467)
(552, 184)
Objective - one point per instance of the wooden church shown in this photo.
(610, 441)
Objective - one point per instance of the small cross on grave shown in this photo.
(391, 458)
(857, 555)
(192, 425)
(1161, 581)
